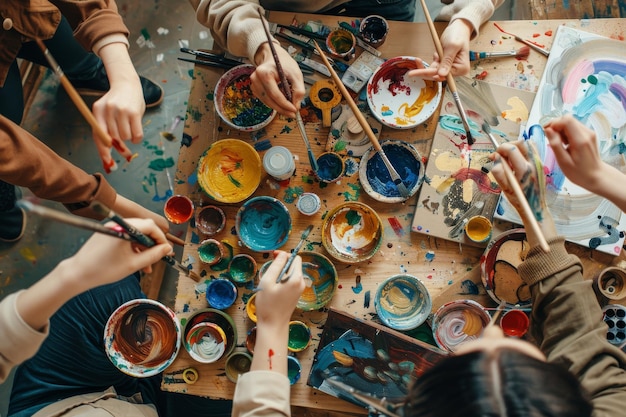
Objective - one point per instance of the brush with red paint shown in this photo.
(531, 44)
(519, 54)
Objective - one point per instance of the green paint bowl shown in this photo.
(299, 336)
(242, 268)
(211, 251)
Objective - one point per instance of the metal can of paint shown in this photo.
(278, 163)
(309, 204)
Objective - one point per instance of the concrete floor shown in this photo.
(158, 30)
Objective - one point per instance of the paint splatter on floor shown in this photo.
(430, 256)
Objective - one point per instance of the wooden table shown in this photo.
(441, 264)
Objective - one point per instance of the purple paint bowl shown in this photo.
(210, 220)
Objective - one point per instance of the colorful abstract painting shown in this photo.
(585, 76)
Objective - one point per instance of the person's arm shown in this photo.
(465, 18)
(264, 390)
(236, 27)
(25, 316)
(576, 150)
(566, 319)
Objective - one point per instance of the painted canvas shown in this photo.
(368, 358)
(458, 184)
(585, 76)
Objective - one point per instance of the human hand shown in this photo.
(128, 208)
(265, 80)
(455, 41)
(275, 302)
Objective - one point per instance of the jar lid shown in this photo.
(309, 204)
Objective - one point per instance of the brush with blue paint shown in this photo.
(519, 54)
(281, 276)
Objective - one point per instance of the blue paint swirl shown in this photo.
(405, 163)
(221, 293)
(263, 224)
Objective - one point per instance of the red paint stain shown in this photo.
(482, 75)
(396, 226)
(536, 35)
(548, 33)
(270, 355)
(340, 286)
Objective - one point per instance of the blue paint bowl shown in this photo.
(294, 369)
(330, 167)
(376, 180)
(221, 293)
(402, 302)
(263, 224)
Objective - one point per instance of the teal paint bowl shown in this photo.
(263, 224)
(294, 369)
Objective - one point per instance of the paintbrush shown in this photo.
(216, 64)
(380, 405)
(286, 89)
(524, 41)
(395, 177)
(101, 134)
(519, 193)
(140, 238)
(520, 54)
(449, 77)
(295, 251)
(211, 57)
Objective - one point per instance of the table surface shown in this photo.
(442, 265)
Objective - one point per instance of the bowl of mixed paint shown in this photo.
(458, 322)
(229, 171)
(402, 302)
(209, 335)
(321, 280)
(352, 232)
(498, 269)
(398, 100)
(142, 337)
(376, 180)
(236, 104)
(263, 224)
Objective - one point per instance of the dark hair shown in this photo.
(504, 383)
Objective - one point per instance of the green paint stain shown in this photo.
(336, 133)
(292, 193)
(223, 264)
(286, 129)
(340, 146)
(195, 114)
(353, 217)
(355, 196)
(160, 164)
(592, 79)
(145, 34)
(210, 96)
(234, 181)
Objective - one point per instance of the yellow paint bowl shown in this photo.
(352, 232)
(229, 171)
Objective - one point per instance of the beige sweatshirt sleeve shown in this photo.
(476, 12)
(18, 341)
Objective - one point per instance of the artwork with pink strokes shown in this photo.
(585, 76)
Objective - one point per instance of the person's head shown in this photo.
(495, 376)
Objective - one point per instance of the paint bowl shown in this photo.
(229, 171)
(178, 209)
(210, 220)
(402, 302)
(615, 319)
(218, 319)
(321, 280)
(205, 342)
(352, 232)
(400, 101)
(251, 340)
(330, 167)
(341, 43)
(221, 293)
(263, 224)
(237, 363)
(458, 322)
(242, 268)
(211, 251)
(478, 229)
(612, 283)
(251, 308)
(299, 336)
(373, 30)
(236, 104)
(142, 337)
(498, 269)
(376, 180)
(294, 369)
(514, 323)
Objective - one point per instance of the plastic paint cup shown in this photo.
(294, 369)
(221, 293)
(242, 268)
(251, 340)
(308, 204)
(299, 336)
(612, 283)
(374, 29)
(341, 43)
(478, 229)
(236, 364)
(514, 323)
(278, 163)
(178, 209)
(210, 220)
(211, 251)
(330, 167)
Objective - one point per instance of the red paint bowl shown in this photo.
(178, 209)
(514, 323)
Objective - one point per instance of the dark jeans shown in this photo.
(72, 361)
(401, 10)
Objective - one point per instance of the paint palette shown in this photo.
(236, 104)
(400, 101)
(322, 280)
(375, 177)
(229, 171)
(402, 302)
(352, 232)
(142, 337)
(263, 224)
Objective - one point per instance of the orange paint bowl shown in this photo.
(398, 100)
(142, 337)
(514, 323)
(178, 209)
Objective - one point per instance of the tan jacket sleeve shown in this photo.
(262, 393)
(476, 12)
